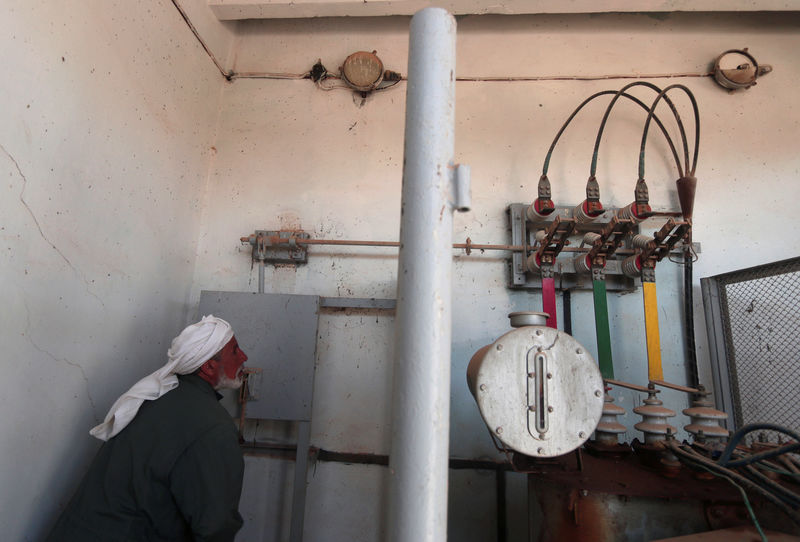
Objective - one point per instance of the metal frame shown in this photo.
(718, 327)
(564, 268)
(723, 391)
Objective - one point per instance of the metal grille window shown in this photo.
(753, 319)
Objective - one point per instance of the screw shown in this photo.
(538, 331)
(532, 408)
(581, 434)
(549, 375)
(541, 435)
(499, 430)
(549, 409)
(531, 375)
(597, 393)
(579, 351)
(584, 492)
(483, 387)
(499, 346)
(539, 450)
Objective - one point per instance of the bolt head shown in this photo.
(483, 387)
(539, 450)
(499, 347)
(549, 375)
(582, 434)
(499, 430)
(549, 409)
(579, 351)
(598, 393)
(538, 331)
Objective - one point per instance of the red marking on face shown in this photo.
(232, 358)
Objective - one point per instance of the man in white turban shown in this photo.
(171, 467)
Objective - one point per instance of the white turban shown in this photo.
(190, 350)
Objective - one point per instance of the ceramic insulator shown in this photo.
(654, 419)
(627, 213)
(582, 264)
(581, 216)
(640, 241)
(535, 216)
(609, 429)
(632, 266)
(590, 237)
(705, 418)
(532, 263)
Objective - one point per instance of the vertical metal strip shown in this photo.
(602, 328)
(549, 301)
(299, 493)
(418, 465)
(654, 369)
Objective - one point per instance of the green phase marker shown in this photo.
(601, 325)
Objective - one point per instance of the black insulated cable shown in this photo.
(634, 99)
(651, 114)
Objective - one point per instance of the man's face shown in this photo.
(230, 366)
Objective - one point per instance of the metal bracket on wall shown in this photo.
(523, 234)
(268, 247)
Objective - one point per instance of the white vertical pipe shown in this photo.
(421, 400)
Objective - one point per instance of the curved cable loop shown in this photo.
(671, 105)
(663, 94)
(546, 165)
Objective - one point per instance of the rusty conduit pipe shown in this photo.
(421, 388)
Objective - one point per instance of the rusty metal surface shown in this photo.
(664, 240)
(733, 534)
(609, 240)
(604, 498)
(678, 387)
(561, 514)
(624, 476)
(555, 238)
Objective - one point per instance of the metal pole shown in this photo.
(421, 397)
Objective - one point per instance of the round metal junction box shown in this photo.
(538, 390)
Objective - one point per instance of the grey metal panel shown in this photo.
(717, 350)
(278, 332)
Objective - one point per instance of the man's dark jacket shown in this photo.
(173, 474)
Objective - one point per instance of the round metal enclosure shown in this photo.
(538, 390)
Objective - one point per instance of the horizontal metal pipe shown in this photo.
(287, 451)
(395, 244)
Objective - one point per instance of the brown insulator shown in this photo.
(687, 187)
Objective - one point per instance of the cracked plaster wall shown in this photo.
(109, 109)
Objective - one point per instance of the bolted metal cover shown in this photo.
(538, 390)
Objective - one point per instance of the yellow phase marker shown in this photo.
(654, 370)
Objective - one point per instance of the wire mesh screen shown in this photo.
(761, 325)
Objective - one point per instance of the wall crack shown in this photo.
(63, 360)
(41, 231)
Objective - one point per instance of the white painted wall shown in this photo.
(290, 155)
(109, 110)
